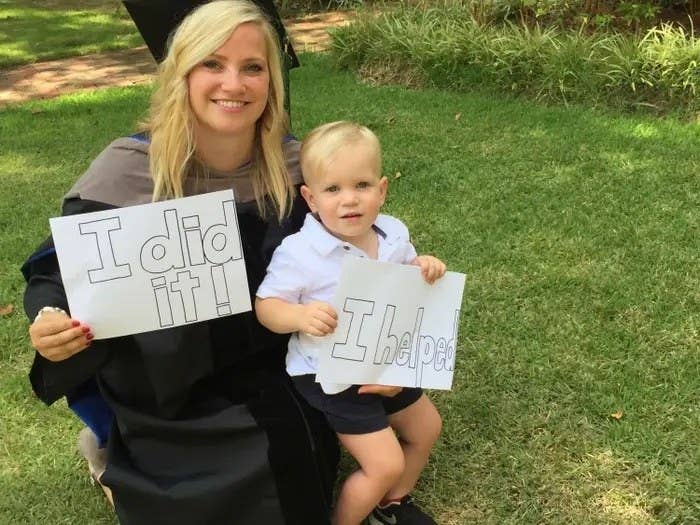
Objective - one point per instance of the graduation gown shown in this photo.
(207, 428)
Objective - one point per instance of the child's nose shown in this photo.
(350, 197)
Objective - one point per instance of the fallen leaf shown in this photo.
(7, 309)
(391, 120)
(397, 175)
(458, 116)
(617, 415)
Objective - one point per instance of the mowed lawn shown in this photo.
(577, 388)
(46, 29)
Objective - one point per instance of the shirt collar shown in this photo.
(325, 242)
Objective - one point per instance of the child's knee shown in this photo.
(389, 467)
(431, 427)
(435, 427)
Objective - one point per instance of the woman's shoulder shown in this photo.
(118, 176)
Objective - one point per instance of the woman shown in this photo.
(207, 429)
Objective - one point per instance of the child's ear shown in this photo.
(308, 197)
(383, 186)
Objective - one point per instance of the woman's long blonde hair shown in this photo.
(170, 124)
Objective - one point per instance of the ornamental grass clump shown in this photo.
(450, 48)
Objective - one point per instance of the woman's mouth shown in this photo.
(230, 104)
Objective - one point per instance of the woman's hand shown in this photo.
(382, 390)
(431, 268)
(57, 337)
(317, 318)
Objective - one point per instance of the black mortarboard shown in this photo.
(156, 19)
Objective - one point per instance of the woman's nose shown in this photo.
(232, 81)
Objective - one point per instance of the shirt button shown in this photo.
(346, 248)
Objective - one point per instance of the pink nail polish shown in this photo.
(89, 336)
(75, 323)
(86, 329)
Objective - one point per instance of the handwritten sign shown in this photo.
(393, 327)
(153, 266)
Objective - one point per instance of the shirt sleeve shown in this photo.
(284, 278)
(409, 252)
(397, 230)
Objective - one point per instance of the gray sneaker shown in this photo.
(96, 459)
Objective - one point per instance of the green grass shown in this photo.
(578, 232)
(45, 29)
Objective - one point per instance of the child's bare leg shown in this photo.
(418, 427)
(381, 464)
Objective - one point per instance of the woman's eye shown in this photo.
(254, 68)
(214, 65)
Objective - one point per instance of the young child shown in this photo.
(341, 165)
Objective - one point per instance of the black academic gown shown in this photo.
(208, 429)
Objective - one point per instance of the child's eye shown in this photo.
(331, 189)
(212, 64)
(364, 184)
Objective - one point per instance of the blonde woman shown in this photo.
(206, 428)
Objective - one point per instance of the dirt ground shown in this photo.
(133, 66)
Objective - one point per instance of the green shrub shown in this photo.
(601, 14)
(450, 48)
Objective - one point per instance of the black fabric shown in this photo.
(207, 428)
(349, 412)
(156, 20)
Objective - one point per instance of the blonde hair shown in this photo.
(325, 140)
(170, 124)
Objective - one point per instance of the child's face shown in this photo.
(347, 193)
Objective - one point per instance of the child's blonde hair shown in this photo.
(324, 141)
(171, 123)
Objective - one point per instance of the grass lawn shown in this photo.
(47, 29)
(577, 388)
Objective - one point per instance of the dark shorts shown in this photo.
(351, 413)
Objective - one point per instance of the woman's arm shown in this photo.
(52, 332)
(315, 318)
(60, 363)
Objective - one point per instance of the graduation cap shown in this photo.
(156, 19)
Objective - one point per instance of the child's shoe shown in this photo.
(403, 512)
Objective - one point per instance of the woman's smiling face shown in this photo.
(228, 90)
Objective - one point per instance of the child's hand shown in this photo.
(431, 268)
(382, 390)
(317, 318)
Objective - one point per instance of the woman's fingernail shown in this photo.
(86, 329)
(89, 336)
(75, 323)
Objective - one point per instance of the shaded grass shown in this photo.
(46, 30)
(578, 233)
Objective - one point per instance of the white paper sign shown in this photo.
(393, 327)
(153, 266)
